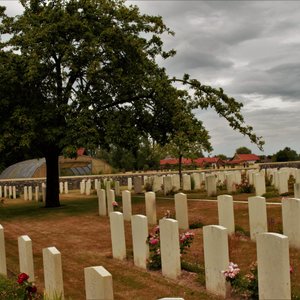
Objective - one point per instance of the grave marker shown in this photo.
(273, 266)
(98, 284)
(53, 277)
(26, 256)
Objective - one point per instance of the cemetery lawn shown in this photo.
(83, 238)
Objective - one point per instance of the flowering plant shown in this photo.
(30, 288)
(245, 186)
(232, 271)
(153, 240)
(116, 206)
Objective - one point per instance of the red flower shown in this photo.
(22, 277)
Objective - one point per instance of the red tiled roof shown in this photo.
(175, 161)
(246, 157)
(188, 161)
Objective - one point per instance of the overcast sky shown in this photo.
(249, 48)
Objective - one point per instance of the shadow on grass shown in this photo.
(34, 210)
(37, 210)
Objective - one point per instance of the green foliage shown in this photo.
(10, 289)
(84, 73)
(244, 286)
(222, 156)
(239, 230)
(196, 225)
(192, 267)
(243, 150)
(287, 154)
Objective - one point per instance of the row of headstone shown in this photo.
(86, 186)
(28, 194)
(169, 242)
(8, 192)
(98, 281)
(105, 206)
(63, 187)
(258, 217)
(273, 270)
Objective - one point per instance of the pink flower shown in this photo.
(153, 241)
(115, 204)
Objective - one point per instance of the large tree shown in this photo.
(189, 139)
(286, 154)
(243, 150)
(77, 72)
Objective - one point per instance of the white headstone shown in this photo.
(175, 182)
(273, 266)
(211, 185)
(157, 183)
(126, 204)
(102, 202)
(181, 210)
(36, 192)
(10, 191)
(226, 213)
(230, 182)
(14, 192)
(61, 187)
(30, 193)
(169, 248)
(98, 284)
(291, 220)
(282, 182)
(139, 225)
(82, 187)
(297, 175)
(196, 179)
(88, 186)
(66, 187)
(257, 216)
(3, 268)
(167, 180)
(260, 184)
(44, 187)
(117, 188)
(297, 190)
(150, 203)
(186, 182)
(216, 258)
(53, 277)
(25, 193)
(129, 183)
(110, 197)
(117, 235)
(26, 256)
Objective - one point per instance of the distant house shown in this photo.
(204, 162)
(243, 159)
(201, 162)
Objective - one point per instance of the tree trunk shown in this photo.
(180, 170)
(52, 191)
